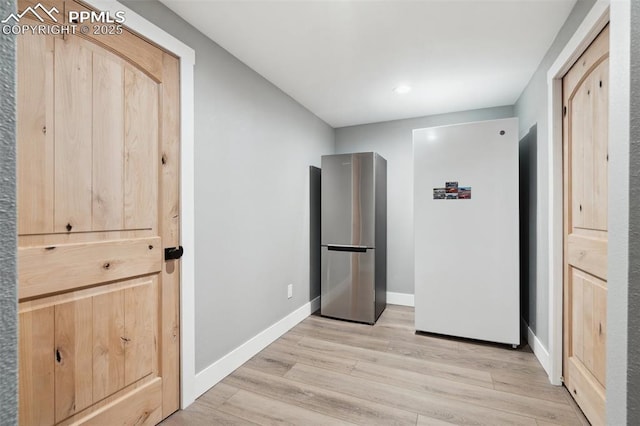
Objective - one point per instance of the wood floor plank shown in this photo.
(468, 394)
(392, 334)
(463, 358)
(539, 377)
(203, 415)
(263, 410)
(217, 395)
(407, 399)
(292, 336)
(271, 362)
(381, 332)
(428, 421)
(315, 398)
(296, 353)
(346, 337)
(503, 381)
(579, 414)
(436, 369)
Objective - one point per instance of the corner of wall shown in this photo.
(221, 368)
(539, 350)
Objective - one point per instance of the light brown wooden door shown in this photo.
(586, 129)
(98, 201)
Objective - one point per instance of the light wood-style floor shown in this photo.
(327, 372)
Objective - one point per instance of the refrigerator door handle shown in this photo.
(354, 249)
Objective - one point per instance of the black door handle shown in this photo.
(173, 253)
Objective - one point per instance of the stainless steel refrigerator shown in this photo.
(354, 236)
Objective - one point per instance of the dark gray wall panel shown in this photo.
(633, 337)
(8, 287)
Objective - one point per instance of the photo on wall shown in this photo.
(452, 195)
(439, 193)
(452, 187)
(464, 193)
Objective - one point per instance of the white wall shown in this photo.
(623, 316)
(531, 109)
(253, 148)
(394, 141)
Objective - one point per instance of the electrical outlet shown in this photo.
(290, 291)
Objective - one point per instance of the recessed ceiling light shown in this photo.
(402, 89)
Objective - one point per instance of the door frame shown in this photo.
(615, 12)
(186, 55)
(593, 23)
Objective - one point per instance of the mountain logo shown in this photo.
(34, 11)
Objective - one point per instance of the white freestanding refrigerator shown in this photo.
(466, 230)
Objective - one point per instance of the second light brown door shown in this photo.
(586, 129)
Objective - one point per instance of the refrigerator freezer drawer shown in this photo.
(348, 284)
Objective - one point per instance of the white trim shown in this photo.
(402, 299)
(590, 27)
(618, 260)
(187, 295)
(217, 371)
(536, 346)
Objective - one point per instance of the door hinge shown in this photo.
(564, 111)
(173, 253)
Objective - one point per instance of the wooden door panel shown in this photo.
(589, 149)
(589, 295)
(108, 143)
(576, 289)
(73, 156)
(49, 269)
(36, 378)
(585, 135)
(580, 128)
(102, 176)
(588, 253)
(145, 55)
(600, 333)
(108, 344)
(73, 362)
(142, 407)
(87, 346)
(600, 129)
(140, 331)
(588, 393)
(141, 150)
(35, 131)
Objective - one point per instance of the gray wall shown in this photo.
(531, 108)
(394, 141)
(633, 302)
(253, 148)
(8, 287)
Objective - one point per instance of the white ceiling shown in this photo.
(341, 59)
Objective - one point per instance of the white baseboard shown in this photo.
(217, 371)
(402, 299)
(538, 349)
